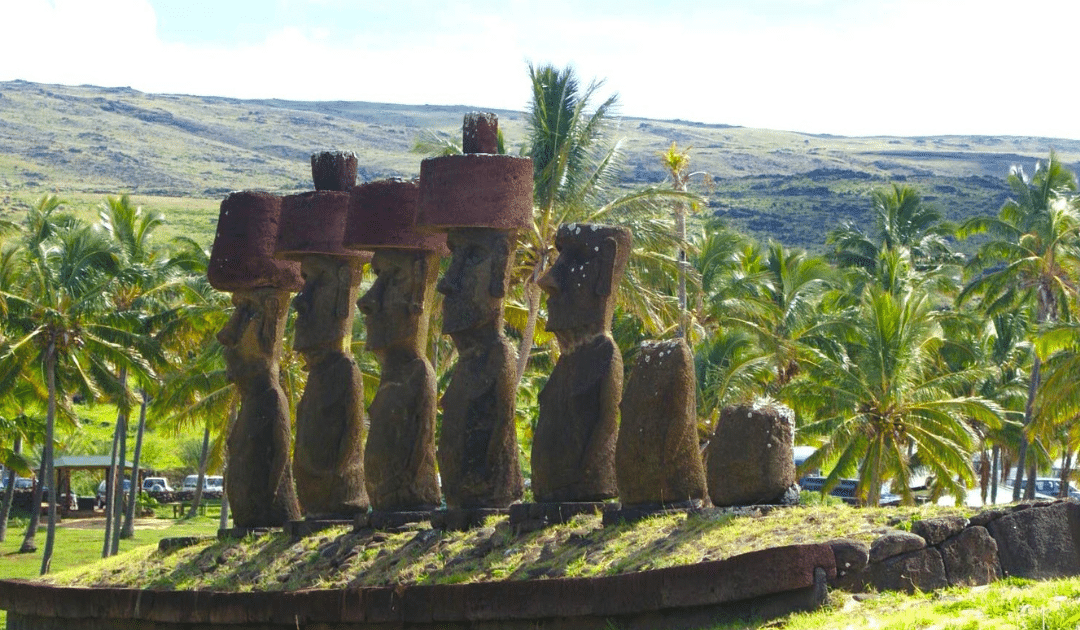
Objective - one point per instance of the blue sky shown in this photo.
(851, 67)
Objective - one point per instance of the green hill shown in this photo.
(182, 154)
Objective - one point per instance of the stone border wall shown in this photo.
(1029, 540)
(761, 584)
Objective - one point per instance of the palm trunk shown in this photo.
(532, 300)
(28, 544)
(136, 487)
(1029, 483)
(118, 494)
(9, 492)
(110, 488)
(223, 521)
(197, 499)
(47, 458)
(995, 455)
(680, 229)
(1066, 467)
(1029, 412)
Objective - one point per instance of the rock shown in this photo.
(937, 530)
(657, 460)
(750, 458)
(1039, 542)
(851, 558)
(921, 570)
(894, 544)
(983, 518)
(971, 558)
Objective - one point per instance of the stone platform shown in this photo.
(762, 584)
(529, 517)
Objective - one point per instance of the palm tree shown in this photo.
(887, 393)
(901, 220)
(58, 321)
(1031, 259)
(677, 164)
(575, 168)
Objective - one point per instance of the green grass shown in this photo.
(339, 557)
(76, 547)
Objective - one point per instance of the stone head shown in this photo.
(324, 305)
(581, 283)
(252, 336)
(394, 307)
(476, 280)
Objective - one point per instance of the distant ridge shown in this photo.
(774, 184)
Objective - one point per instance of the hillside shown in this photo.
(186, 152)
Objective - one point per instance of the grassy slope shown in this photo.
(337, 558)
(181, 154)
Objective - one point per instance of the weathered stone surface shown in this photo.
(242, 256)
(936, 530)
(476, 190)
(400, 451)
(383, 214)
(478, 452)
(766, 583)
(971, 558)
(328, 458)
(921, 570)
(983, 518)
(480, 133)
(750, 458)
(851, 558)
(894, 544)
(314, 223)
(657, 460)
(1039, 542)
(573, 454)
(259, 480)
(333, 170)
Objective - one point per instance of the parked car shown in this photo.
(101, 491)
(213, 487)
(1051, 487)
(845, 490)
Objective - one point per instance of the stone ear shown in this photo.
(342, 303)
(268, 330)
(419, 284)
(605, 281)
(500, 255)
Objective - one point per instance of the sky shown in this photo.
(845, 67)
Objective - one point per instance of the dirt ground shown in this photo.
(98, 522)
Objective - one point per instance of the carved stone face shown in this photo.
(252, 333)
(475, 282)
(394, 306)
(323, 306)
(580, 281)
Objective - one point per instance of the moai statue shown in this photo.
(480, 200)
(328, 459)
(259, 482)
(400, 452)
(573, 454)
(750, 459)
(657, 460)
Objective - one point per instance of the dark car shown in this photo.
(845, 490)
(101, 491)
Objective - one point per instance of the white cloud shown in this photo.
(836, 66)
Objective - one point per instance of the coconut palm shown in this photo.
(886, 396)
(59, 321)
(576, 164)
(1032, 258)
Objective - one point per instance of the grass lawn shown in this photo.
(79, 542)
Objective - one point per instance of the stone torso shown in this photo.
(399, 457)
(328, 461)
(478, 453)
(573, 456)
(260, 482)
